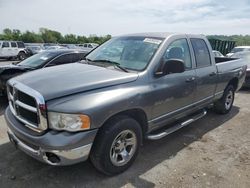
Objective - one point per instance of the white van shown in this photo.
(12, 49)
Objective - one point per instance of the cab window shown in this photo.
(201, 52)
(179, 49)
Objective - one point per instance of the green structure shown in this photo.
(224, 46)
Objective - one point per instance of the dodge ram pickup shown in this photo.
(131, 88)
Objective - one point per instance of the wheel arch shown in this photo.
(137, 114)
(234, 82)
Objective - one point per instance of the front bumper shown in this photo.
(54, 148)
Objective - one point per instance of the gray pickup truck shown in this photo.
(131, 88)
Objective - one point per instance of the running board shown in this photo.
(176, 127)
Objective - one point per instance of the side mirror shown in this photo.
(171, 66)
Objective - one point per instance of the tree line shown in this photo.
(50, 36)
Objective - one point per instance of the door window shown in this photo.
(179, 49)
(20, 45)
(201, 52)
(6, 45)
(13, 44)
(81, 56)
(64, 59)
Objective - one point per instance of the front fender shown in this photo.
(101, 104)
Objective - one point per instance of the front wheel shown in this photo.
(116, 145)
(225, 104)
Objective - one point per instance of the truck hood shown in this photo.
(59, 81)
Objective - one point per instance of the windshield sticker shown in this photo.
(154, 41)
(43, 58)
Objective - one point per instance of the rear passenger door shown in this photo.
(206, 71)
(14, 48)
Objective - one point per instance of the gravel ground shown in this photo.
(211, 152)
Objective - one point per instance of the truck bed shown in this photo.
(223, 59)
(227, 69)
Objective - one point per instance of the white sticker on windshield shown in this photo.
(150, 40)
(43, 58)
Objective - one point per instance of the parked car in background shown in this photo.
(13, 49)
(238, 49)
(55, 47)
(246, 56)
(131, 88)
(34, 49)
(38, 61)
(70, 46)
(88, 46)
(217, 54)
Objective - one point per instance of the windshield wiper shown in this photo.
(110, 62)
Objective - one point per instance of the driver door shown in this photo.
(173, 93)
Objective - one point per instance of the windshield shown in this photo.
(129, 52)
(37, 60)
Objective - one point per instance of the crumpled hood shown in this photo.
(73, 78)
(11, 66)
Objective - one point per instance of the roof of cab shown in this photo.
(158, 34)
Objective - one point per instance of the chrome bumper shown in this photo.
(63, 157)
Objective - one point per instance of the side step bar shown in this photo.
(176, 127)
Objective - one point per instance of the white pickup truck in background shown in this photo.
(12, 49)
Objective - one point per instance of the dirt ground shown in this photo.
(212, 152)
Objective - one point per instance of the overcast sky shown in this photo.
(115, 17)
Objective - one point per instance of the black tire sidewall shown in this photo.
(220, 105)
(102, 146)
(20, 55)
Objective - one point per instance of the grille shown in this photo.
(24, 103)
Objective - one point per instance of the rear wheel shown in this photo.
(116, 145)
(225, 104)
(21, 56)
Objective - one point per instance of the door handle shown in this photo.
(212, 74)
(190, 79)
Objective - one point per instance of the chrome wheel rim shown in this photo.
(229, 100)
(123, 148)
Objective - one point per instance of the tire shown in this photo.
(225, 103)
(112, 153)
(21, 56)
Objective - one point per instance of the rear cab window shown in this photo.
(201, 53)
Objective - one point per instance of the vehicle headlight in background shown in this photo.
(68, 122)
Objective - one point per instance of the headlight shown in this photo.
(68, 122)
